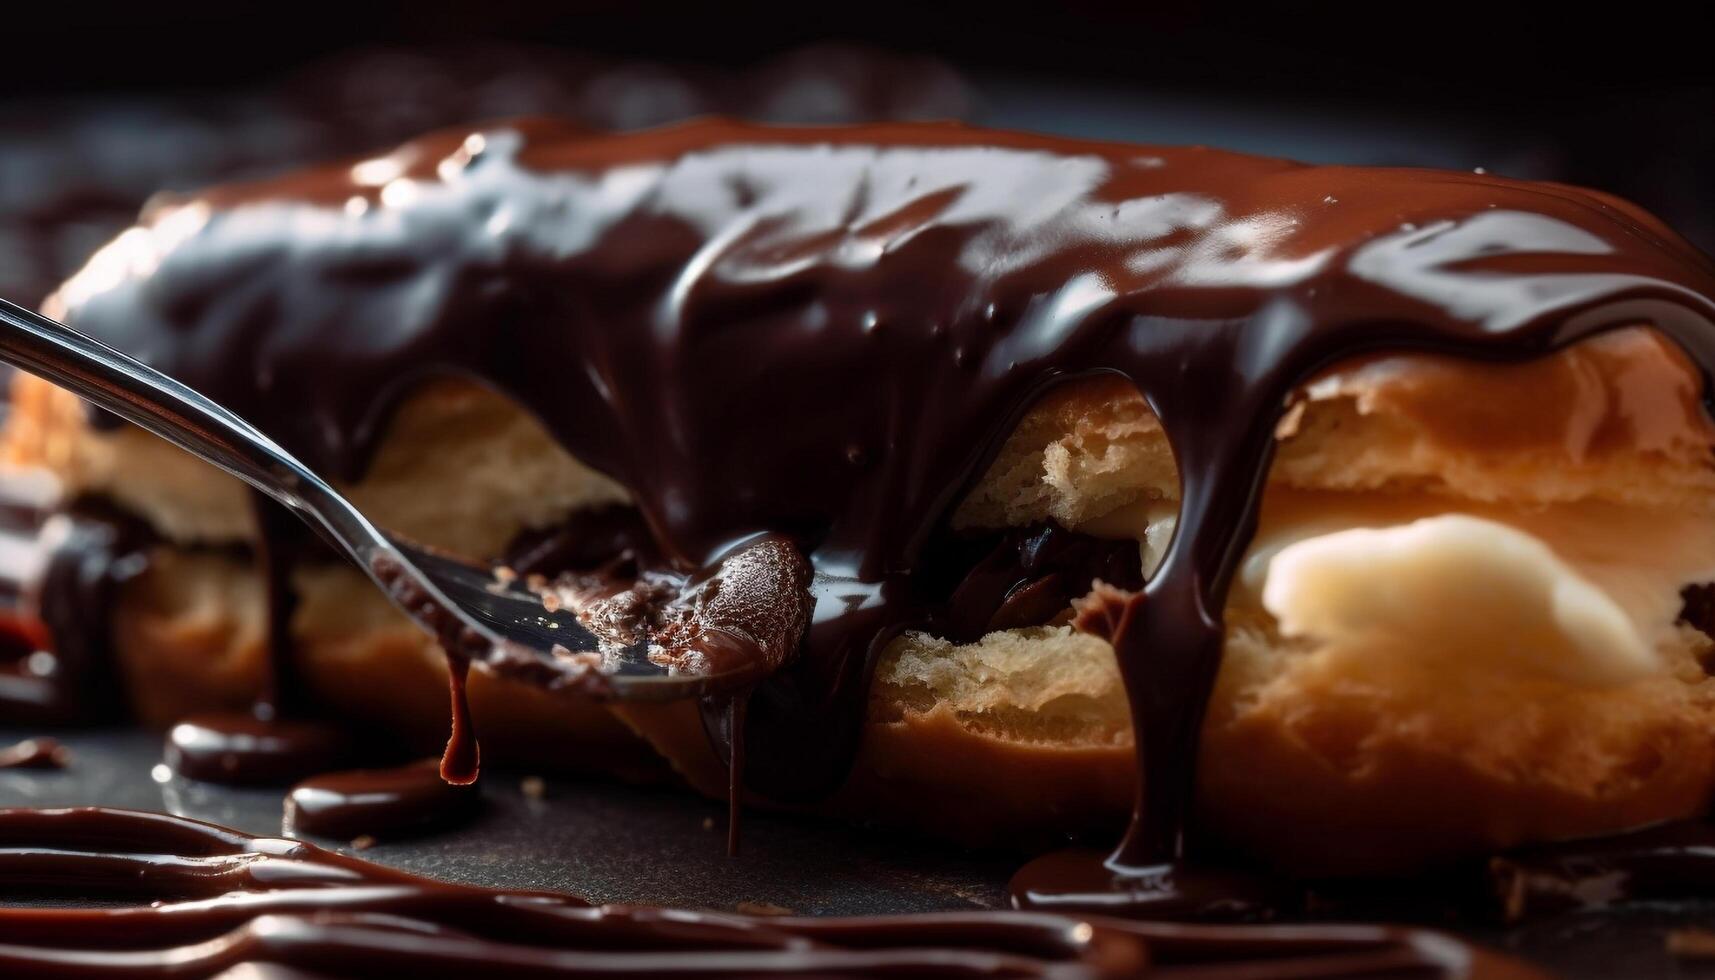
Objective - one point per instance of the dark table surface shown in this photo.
(616, 843)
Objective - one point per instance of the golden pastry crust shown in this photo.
(1318, 762)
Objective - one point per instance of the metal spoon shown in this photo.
(466, 606)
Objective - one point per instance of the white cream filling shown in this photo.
(1579, 593)
(1451, 591)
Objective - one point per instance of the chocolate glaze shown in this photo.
(378, 802)
(825, 333)
(461, 762)
(243, 749)
(221, 898)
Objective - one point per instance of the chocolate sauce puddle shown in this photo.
(220, 899)
(824, 334)
(381, 803)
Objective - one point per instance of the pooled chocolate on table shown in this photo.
(207, 900)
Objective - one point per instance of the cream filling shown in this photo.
(1579, 593)
(1455, 591)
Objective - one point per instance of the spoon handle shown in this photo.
(138, 393)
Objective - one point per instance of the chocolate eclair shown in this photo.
(1353, 519)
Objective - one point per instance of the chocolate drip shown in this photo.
(222, 899)
(277, 743)
(825, 335)
(378, 802)
(284, 541)
(461, 762)
(58, 665)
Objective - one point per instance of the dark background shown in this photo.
(1620, 96)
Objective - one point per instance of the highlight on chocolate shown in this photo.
(1274, 534)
